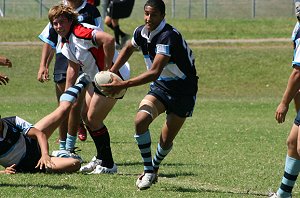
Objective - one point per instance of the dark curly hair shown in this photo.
(157, 4)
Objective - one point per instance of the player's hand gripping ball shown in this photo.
(105, 77)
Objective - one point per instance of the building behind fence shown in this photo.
(174, 8)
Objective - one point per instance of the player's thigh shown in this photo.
(170, 129)
(86, 103)
(99, 108)
(59, 89)
(293, 136)
(150, 107)
(64, 164)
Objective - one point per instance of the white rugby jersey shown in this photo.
(296, 42)
(81, 48)
(13, 143)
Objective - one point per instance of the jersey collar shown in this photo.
(145, 31)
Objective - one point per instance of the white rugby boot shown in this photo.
(91, 165)
(104, 170)
(146, 180)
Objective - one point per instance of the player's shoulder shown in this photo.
(83, 30)
(139, 29)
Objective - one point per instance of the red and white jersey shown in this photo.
(80, 47)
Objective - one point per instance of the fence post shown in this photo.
(190, 7)
(41, 8)
(253, 8)
(205, 9)
(173, 8)
(3, 6)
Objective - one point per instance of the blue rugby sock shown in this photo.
(70, 142)
(71, 94)
(144, 144)
(291, 172)
(62, 145)
(160, 156)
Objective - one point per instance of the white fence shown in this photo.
(174, 8)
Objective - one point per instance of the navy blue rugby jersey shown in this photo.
(179, 76)
(13, 142)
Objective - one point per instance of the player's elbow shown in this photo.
(110, 41)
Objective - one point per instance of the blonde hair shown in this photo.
(62, 10)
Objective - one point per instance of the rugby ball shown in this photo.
(105, 77)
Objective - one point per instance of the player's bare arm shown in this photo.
(123, 56)
(45, 160)
(293, 86)
(72, 74)
(108, 43)
(149, 76)
(43, 73)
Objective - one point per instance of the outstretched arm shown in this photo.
(150, 75)
(123, 56)
(45, 160)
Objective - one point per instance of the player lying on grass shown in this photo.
(24, 147)
(4, 62)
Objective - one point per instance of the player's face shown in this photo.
(152, 18)
(62, 25)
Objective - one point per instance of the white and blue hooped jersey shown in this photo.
(13, 143)
(179, 75)
(296, 42)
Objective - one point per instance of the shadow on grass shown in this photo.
(193, 190)
(162, 165)
(55, 187)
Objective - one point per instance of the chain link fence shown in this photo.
(174, 8)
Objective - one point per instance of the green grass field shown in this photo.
(231, 147)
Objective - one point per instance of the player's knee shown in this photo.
(65, 108)
(76, 165)
(142, 123)
(94, 123)
(292, 145)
